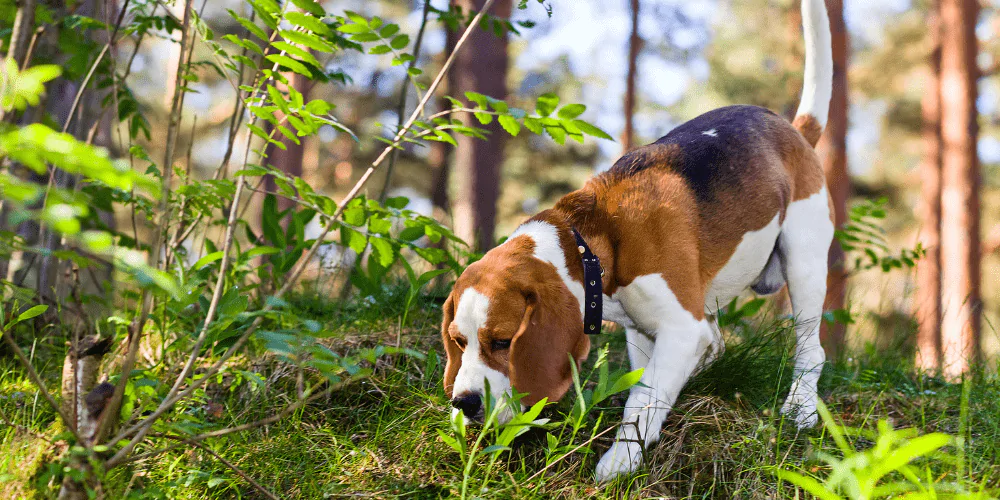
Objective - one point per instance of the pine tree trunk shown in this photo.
(634, 44)
(832, 151)
(927, 300)
(480, 66)
(960, 300)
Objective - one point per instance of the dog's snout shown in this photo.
(470, 403)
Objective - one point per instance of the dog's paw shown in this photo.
(621, 458)
(801, 407)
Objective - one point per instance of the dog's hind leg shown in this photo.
(804, 242)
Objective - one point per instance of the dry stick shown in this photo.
(35, 379)
(141, 428)
(401, 108)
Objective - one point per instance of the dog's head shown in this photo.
(511, 321)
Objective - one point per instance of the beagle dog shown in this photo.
(733, 199)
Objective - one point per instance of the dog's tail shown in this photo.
(814, 109)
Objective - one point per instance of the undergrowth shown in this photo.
(379, 436)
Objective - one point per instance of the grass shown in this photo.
(379, 437)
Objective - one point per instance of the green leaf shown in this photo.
(355, 216)
(310, 6)
(290, 63)
(571, 111)
(384, 251)
(450, 441)
(533, 124)
(308, 22)
(558, 134)
(546, 104)
(591, 130)
(252, 28)
(308, 40)
(353, 239)
(389, 30)
(624, 382)
(477, 98)
(300, 53)
(270, 222)
(31, 313)
(400, 41)
(353, 29)
(208, 259)
(509, 124)
(807, 483)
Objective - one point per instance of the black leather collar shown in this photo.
(593, 287)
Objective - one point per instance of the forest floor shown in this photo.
(379, 437)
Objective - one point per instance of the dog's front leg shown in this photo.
(676, 353)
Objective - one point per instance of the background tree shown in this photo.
(480, 66)
(832, 150)
(928, 293)
(960, 182)
(634, 46)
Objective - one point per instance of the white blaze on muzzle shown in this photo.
(470, 316)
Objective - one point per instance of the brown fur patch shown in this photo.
(530, 306)
(809, 127)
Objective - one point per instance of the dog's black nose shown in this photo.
(469, 403)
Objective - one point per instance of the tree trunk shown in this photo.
(960, 300)
(634, 44)
(927, 300)
(480, 66)
(832, 150)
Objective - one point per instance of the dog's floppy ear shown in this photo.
(550, 332)
(451, 349)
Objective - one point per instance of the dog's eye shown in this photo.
(500, 345)
(461, 342)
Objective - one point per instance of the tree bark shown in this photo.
(960, 299)
(634, 44)
(480, 66)
(927, 299)
(832, 150)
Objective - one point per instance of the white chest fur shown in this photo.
(743, 267)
